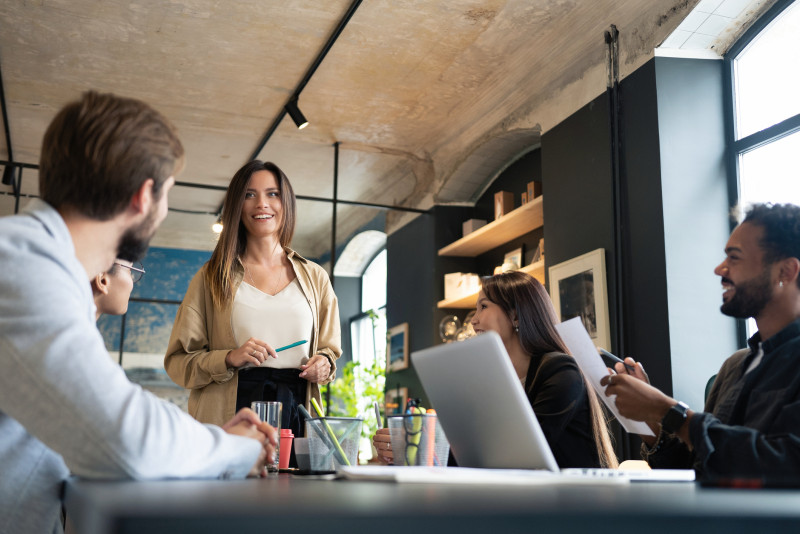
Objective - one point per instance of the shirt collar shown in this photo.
(789, 332)
(51, 220)
(292, 254)
(289, 254)
(53, 223)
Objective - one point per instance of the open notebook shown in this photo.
(487, 418)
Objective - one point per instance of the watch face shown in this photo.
(674, 418)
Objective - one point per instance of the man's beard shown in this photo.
(749, 297)
(134, 242)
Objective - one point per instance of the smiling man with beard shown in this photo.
(107, 164)
(750, 426)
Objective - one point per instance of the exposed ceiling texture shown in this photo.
(429, 100)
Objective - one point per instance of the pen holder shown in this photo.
(333, 441)
(418, 439)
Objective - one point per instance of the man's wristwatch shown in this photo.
(675, 418)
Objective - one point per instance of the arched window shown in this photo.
(368, 331)
(362, 379)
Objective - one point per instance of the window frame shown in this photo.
(736, 147)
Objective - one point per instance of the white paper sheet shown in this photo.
(583, 350)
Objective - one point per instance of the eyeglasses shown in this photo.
(137, 271)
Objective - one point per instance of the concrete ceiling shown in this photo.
(429, 100)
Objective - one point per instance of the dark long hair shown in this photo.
(233, 239)
(523, 298)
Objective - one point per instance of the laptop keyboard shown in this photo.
(654, 475)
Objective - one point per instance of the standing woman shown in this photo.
(255, 294)
(517, 307)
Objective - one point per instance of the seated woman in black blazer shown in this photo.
(517, 307)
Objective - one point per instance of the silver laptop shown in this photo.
(482, 406)
(487, 417)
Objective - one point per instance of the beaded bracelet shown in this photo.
(647, 452)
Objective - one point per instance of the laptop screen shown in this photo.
(482, 406)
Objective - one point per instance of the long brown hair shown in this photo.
(521, 296)
(233, 239)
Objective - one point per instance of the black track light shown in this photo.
(8, 175)
(296, 115)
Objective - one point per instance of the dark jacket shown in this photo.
(559, 398)
(751, 423)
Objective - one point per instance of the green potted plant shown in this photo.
(357, 386)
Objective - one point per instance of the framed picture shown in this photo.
(397, 348)
(578, 289)
(395, 401)
(515, 257)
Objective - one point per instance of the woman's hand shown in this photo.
(253, 352)
(317, 369)
(247, 424)
(382, 442)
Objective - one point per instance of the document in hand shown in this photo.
(583, 350)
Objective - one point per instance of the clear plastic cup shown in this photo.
(333, 441)
(301, 453)
(270, 413)
(418, 439)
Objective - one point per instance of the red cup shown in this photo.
(285, 448)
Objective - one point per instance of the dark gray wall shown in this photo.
(646, 332)
(674, 224)
(576, 170)
(416, 282)
(411, 291)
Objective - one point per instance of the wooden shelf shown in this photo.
(462, 303)
(510, 226)
(536, 270)
(469, 301)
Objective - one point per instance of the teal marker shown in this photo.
(292, 345)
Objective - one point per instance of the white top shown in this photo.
(65, 406)
(757, 360)
(277, 320)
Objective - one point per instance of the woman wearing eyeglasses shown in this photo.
(517, 307)
(112, 289)
(254, 295)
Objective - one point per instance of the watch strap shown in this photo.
(675, 418)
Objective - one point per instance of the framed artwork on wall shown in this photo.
(578, 289)
(397, 348)
(395, 401)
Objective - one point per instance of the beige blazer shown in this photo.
(203, 335)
